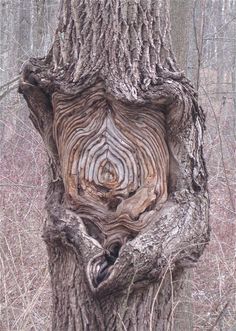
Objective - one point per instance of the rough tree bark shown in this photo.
(181, 18)
(182, 36)
(127, 201)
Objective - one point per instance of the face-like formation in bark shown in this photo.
(114, 162)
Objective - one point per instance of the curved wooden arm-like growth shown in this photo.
(123, 131)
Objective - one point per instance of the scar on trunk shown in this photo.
(115, 164)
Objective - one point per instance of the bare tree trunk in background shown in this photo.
(187, 23)
(199, 12)
(233, 72)
(181, 22)
(127, 201)
(24, 31)
(182, 33)
(220, 45)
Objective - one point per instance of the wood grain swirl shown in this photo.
(114, 161)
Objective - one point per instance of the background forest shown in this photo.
(204, 38)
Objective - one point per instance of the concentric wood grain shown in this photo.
(114, 161)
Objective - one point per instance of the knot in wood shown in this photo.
(114, 160)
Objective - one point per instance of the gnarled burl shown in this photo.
(127, 201)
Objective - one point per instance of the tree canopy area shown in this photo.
(126, 193)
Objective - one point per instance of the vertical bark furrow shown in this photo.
(128, 42)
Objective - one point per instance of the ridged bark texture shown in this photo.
(127, 200)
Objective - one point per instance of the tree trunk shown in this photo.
(181, 12)
(127, 201)
(182, 35)
(233, 72)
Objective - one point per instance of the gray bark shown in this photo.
(118, 240)
(220, 45)
(233, 72)
(185, 50)
(25, 30)
(181, 23)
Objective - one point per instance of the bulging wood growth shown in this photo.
(127, 192)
